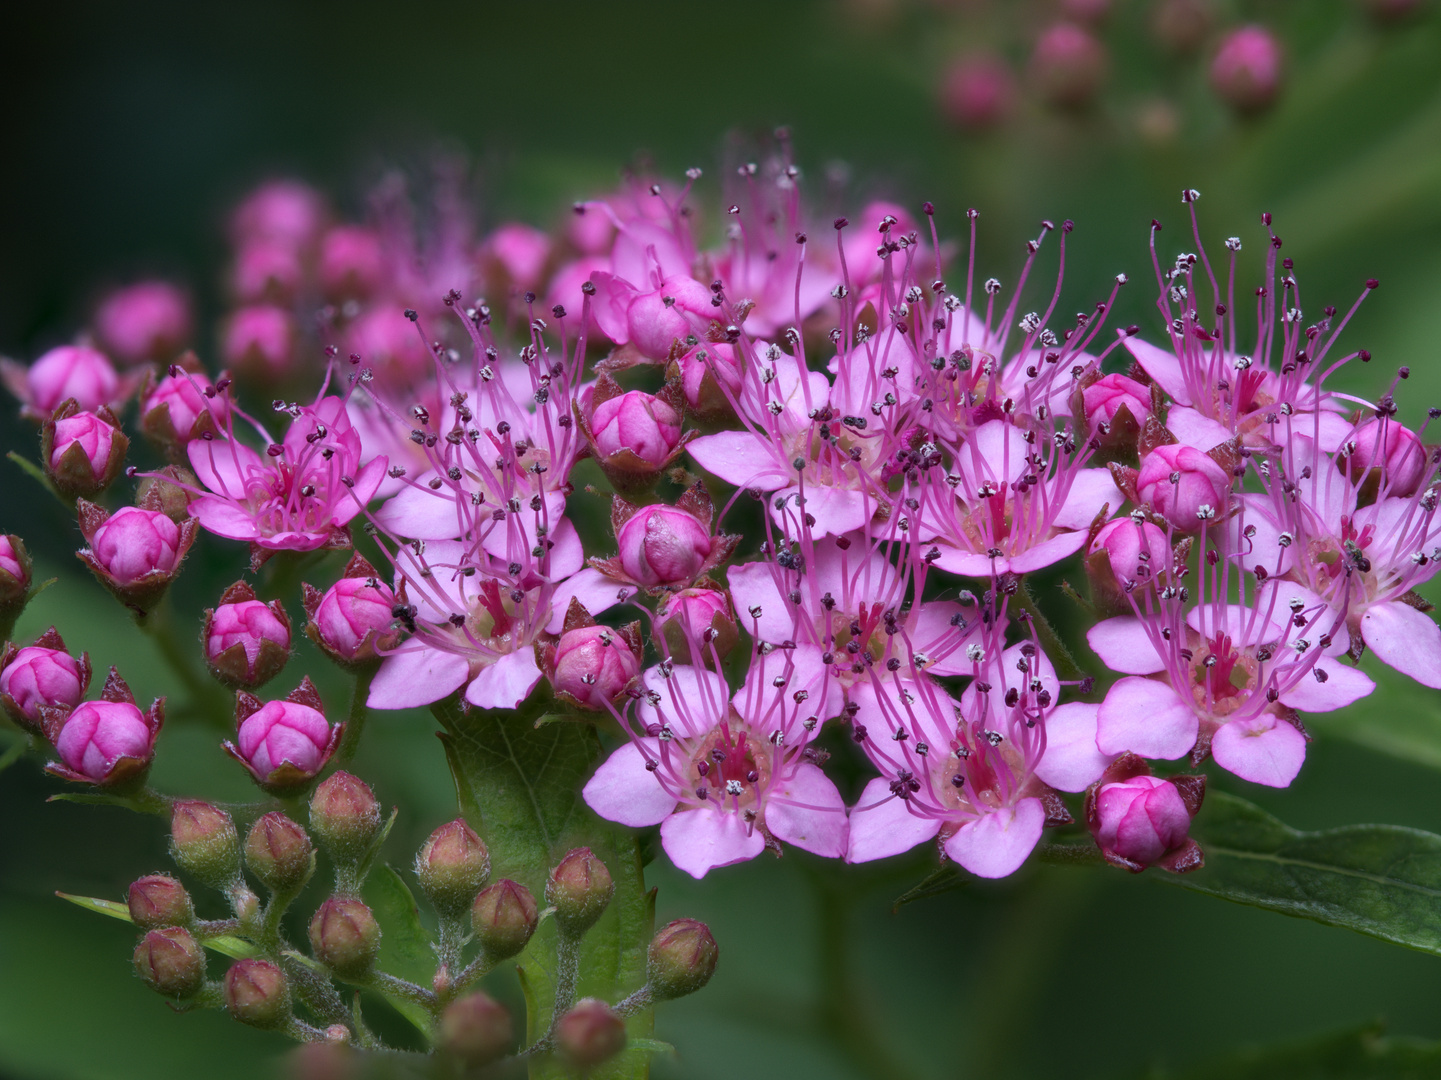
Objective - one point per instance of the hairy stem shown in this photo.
(355, 719)
(205, 696)
(1051, 642)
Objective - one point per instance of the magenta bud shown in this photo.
(1119, 402)
(14, 569)
(158, 900)
(476, 1029)
(204, 843)
(352, 264)
(149, 320)
(594, 665)
(681, 959)
(286, 743)
(83, 452)
(284, 211)
(591, 1033)
(1126, 554)
(1068, 65)
(516, 255)
(256, 993)
(1139, 820)
(171, 962)
(504, 917)
(267, 271)
(279, 853)
(180, 407)
(579, 888)
(42, 676)
(1394, 453)
(344, 936)
(107, 743)
(700, 616)
(247, 642)
(69, 371)
(1184, 485)
(135, 553)
(656, 321)
(977, 91)
(345, 817)
(1246, 70)
(353, 617)
(707, 371)
(636, 428)
(259, 341)
(452, 866)
(663, 545)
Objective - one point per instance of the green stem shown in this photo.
(205, 696)
(1051, 642)
(355, 719)
(641, 1000)
(390, 986)
(315, 990)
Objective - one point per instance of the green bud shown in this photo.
(590, 1034)
(158, 900)
(681, 960)
(452, 867)
(476, 1029)
(345, 937)
(278, 852)
(504, 917)
(171, 962)
(204, 843)
(256, 993)
(345, 817)
(580, 888)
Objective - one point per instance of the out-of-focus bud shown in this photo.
(353, 617)
(135, 553)
(476, 1029)
(579, 888)
(514, 256)
(1086, 11)
(149, 320)
(83, 452)
(41, 676)
(284, 211)
(1181, 25)
(257, 993)
(1390, 452)
(106, 743)
(69, 371)
(702, 615)
(171, 962)
(351, 263)
(1184, 485)
(345, 937)
(452, 866)
(681, 959)
(1391, 11)
(182, 406)
(286, 743)
(247, 642)
(345, 817)
(158, 900)
(204, 843)
(504, 917)
(1068, 65)
(977, 91)
(390, 345)
(705, 372)
(592, 665)
(1246, 70)
(591, 1033)
(1139, 820)
(279, 853)
(267, 271)
(259, 341)
(14, 570)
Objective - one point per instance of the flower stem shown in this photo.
(1051, 642)
(205, 696)
(355, 719)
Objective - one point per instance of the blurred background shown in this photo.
(132, 129)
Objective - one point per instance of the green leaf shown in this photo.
(225, 944)
(1363, 1053)
(940, 881)
(405, 947)
(1381, 880)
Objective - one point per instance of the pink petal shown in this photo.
(819, 824)
(222, 465)
(1194, 429)
(699, 840)
(367, 482)
(1406, 639)
(592, 588)
(611, 305)
(1090, 490)
(416, 676)
(623, 791)
(568, 555)
(223, 518)
(1071, 761)
(968, 564)
(1048, 552)
(1343, 686)
(505, 683)
(754, 585)
(703, 695)
(886, 828)
(836, 510)
(1161, 365)
(422, 514)
(1265, 750)
(931, 632)
(740, 458)
(998, 843)
(1146, 717)
(1124, 645)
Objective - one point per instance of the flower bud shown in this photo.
(1139, 820)
(284, 744)
(452, 866)
(267, 272)
(345, 817)
(1126, 554)
(256, 993)
(681, 959)
(107, 743)
(504, 917)
(697, 615)
(204, 843)
(476, 1029)
(1393, 451)
(1182, 25)
(579, 888)
(166, 492)
(279, 853)
(158, 900)
(41, 676)
(706, 372)
(135, 553)
(1184, 485)
(258, 341)
(515, 254)
(1105, 398)
(1068, 65)
(180, 407)
(83, 451)
(656, 320)
(284, 211)
(663, 545)
(352, 264)
(594, 665)
(636, 425)
(69, 371)
(1246, 71)
(171, 962)
(353, 617)
(246, 642)
(344, 936)
(590, 1034)
(14, 570)
(977, 91)
(149, 320)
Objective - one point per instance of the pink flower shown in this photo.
(1136, 550)
(638, 423)
(722, 774)
(69, 371)
(149, 320)
(259, 339)
(387, 341)
(286, 743)
(354, 617)
(84, 451)
(1068, 65)
(1246, 70)
(1140, 820)
(663, 545)
(109, 743)
(593, 665)
(1185, 485)
(182, 406)
(519, 252)
(977, 91)
(351, 262)
(1393, 451)
(710, 378)
(285, 211)
(41, 676)
(246, 642)
(268, 271)
(693, 621)
(654, 318)
(14, 579)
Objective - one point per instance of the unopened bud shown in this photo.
(590, 1034)
(580, 888)
(158, 900)
(345, 817)
(504, 917)
(257, 994)
(171, 962)
(279, 853)
(681, 960)
(476, 1029)
(204, 843)
(344, 936)
(452, 867)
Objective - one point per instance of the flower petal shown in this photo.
(818, 824)
(699, 840)
(996, 845)
(624, 791)
(1265, 750)
(1146, 717)
(740, 458)
(1124, 645)
(505, 683)
(416, 676)
(1406, 639)
(883, 826)
(1071, 761)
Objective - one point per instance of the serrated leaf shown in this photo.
(405, 947)
(1381, 880)
(1363, 1053)
(942, 880)
(225, 944)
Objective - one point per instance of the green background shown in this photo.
(129, 131)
